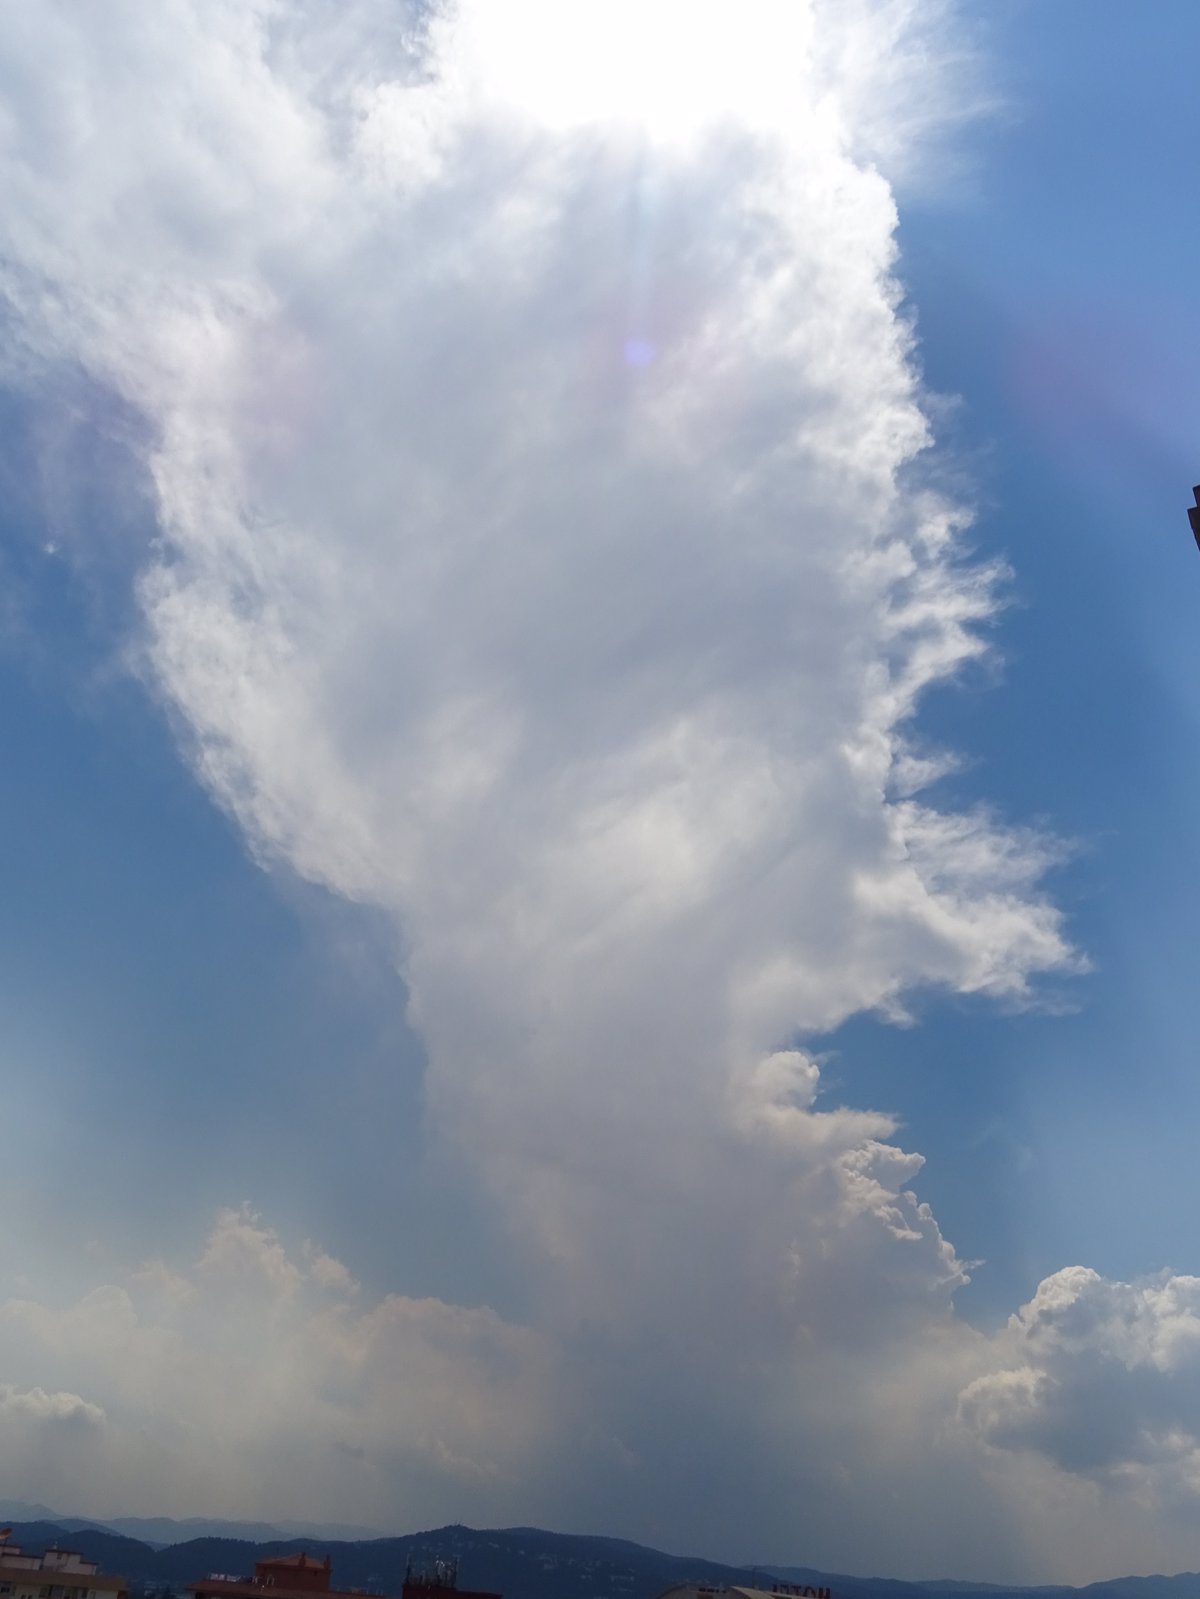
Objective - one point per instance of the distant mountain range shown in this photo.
(518, 1562)
(161, 1530)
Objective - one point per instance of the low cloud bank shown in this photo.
(251, 1375)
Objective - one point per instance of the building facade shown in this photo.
(777, 1590)
(303, 1576)
(279, 1577)
(57, 1574)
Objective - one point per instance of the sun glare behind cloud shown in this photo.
(666, 68)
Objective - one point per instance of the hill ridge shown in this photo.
(518, 1562)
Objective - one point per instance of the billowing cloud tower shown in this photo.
(543, 555)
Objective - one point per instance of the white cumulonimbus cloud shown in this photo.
(37, 1406)
(1104, 1380)
(542, 556)
(258, 1365)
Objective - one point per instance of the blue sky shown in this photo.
(372, 633)
(1055, 300)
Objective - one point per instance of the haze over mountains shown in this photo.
(517, 1562)
(160, 1530)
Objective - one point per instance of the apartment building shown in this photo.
(57, 1574)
